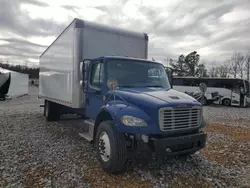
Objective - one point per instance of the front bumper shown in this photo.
(180, 145)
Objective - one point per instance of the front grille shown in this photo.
(179, 118)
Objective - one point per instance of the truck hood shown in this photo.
(155, 97)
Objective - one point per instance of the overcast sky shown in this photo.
(215, 28)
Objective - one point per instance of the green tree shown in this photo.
(201, 71)
(191, 63)
(179, 66)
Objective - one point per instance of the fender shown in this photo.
(223, 98)
(118, 108)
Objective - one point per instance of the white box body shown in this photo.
(59, 77)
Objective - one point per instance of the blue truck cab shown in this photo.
(130, 100)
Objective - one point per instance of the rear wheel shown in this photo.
(226, 102)
(51, 111)
(111, 147)
(44, 108)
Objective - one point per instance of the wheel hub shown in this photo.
(104, 146)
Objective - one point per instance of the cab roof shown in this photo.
(126, 58)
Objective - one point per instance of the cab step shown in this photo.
(86, 136)
(89, 133)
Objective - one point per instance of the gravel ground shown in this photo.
(234, 116)
(34, 153)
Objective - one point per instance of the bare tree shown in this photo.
(223, 70)
(232, 67)
(213, 72)
(247, 66)
(220, 71)
(241, 65)
(236, 64)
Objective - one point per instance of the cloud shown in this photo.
(16, 41)
(17, 24)
(13, 20)
(183, 26)
(71, 8)
(19, 48)
(215, 28)
(182, 21)
(34, 2)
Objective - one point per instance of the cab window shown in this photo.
(95, 79)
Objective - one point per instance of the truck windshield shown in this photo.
(134, 73)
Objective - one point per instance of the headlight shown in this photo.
(133, 121)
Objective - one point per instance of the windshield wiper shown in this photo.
(129, 86)
(154, 86)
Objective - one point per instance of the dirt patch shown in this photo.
(38, 176)
(233, 154)
(237, 133)
(234, 151)
(97, 178)
(232, 121)
(181, 180)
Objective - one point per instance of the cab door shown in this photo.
(94, 94)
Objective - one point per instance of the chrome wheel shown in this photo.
(104, 146)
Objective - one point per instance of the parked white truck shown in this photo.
(103, 74)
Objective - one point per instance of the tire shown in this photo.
(187, 154)
(226, 102)
(116, 161)
(51, 111)
(44, 108)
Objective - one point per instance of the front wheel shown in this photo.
(111, 147)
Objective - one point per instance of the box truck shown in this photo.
(102, 73)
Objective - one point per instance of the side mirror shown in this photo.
(84, 66)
